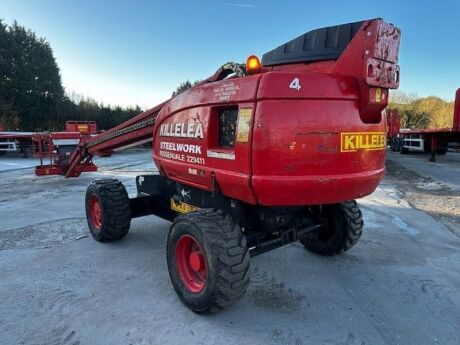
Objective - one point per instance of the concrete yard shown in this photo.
(399, 285)
(446, 169)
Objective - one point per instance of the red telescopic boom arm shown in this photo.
(135, 131)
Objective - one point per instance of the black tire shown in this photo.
(345, 226)
(2, 153)
(64, 166)
(441, 151)
(427, 146)
(226, 256)
(392, 144)
(402, 149)
(114, 209)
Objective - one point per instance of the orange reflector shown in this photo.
(253, 65)
(378, 95)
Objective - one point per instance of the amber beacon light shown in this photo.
(253, 65)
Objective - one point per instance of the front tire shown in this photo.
(208, 260)
(107, 210)
(344, 228)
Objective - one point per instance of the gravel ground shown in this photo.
(399, 285)
(439, 199)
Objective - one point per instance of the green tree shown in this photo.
(428, 112)
(414, 119)
(80, 108)
(31, 93)
(8, 115)
(185, 86)
(36, 82)
(440, 112)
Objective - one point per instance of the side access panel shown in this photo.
(208, 146)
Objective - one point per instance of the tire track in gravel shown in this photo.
(43, 235)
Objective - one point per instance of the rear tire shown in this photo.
(107, 210)
(427, 146)
(345, 226)
(441, 151)
(393, 144)
(211, 273)
(2, 153)
(402, 149)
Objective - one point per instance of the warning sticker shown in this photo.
(244, 119)
(82, 129)
(182, 207)
(221, 155)
(226, 91)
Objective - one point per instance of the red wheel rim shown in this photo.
(191, 264)
(95, 211)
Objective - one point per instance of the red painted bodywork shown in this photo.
(393, 122)
(84, 127)
(293, 153)
(290, 149)
(16, 135)
(55, 159)
(456, 122)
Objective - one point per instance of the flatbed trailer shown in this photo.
(15, 141)
(433, 140)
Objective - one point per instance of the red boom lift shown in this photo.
(255, 157)
(434, 140)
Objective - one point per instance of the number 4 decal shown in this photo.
(295, 84)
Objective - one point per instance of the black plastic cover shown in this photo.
(317, 45)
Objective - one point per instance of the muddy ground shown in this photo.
(399, 285)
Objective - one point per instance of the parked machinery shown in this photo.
(255, 157)
(433, 140)
(55, 148)
(83, 127)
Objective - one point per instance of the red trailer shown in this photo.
(433, 140)
(14, 141)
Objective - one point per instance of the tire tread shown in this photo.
(116, 209)
(351, 226)
(229, 247)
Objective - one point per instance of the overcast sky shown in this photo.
(137, 52)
